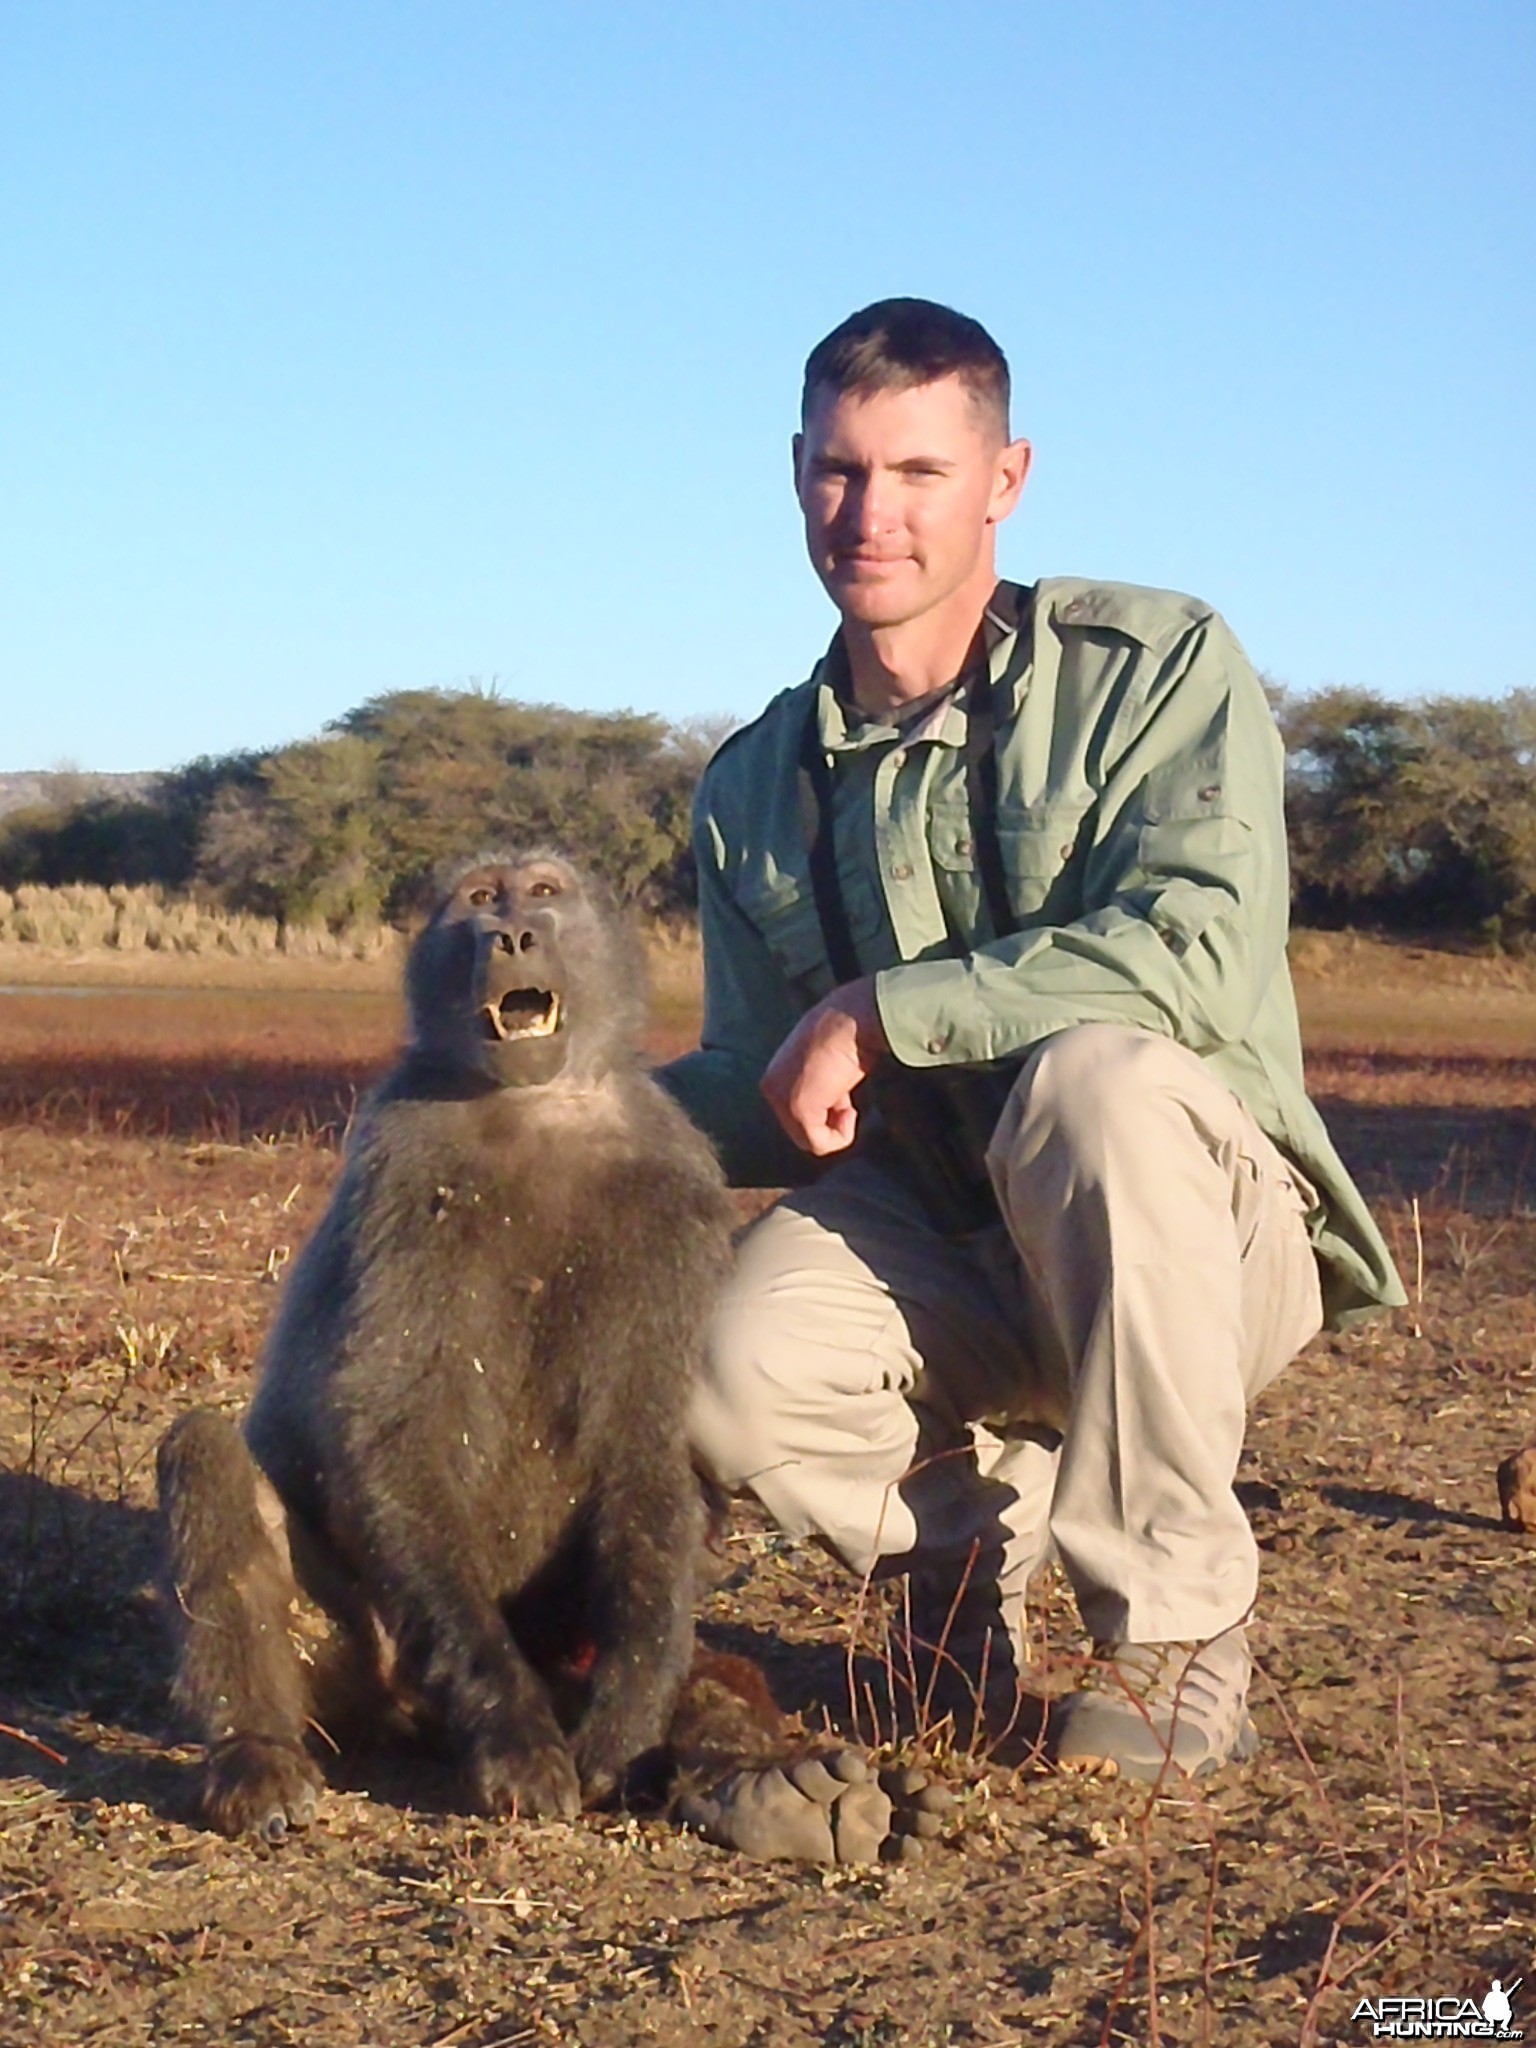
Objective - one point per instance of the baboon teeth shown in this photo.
(523, 1013)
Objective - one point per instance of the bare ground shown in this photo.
(1382, 1843)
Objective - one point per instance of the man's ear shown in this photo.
(796, 448)
(1008, 480)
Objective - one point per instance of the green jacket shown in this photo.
(1142, 832)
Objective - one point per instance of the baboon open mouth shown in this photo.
(522, 1013)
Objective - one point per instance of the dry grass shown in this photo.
(120, 938)
(81, 919)
(1356, 993)
(1361, 996)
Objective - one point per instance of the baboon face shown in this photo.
(505, 975)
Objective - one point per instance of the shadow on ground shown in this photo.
(1386, 1509)
(1479, 1161)
(188, 1096)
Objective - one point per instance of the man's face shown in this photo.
(901, 491)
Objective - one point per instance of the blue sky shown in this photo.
(351, 347)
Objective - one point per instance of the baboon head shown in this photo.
(525, 974)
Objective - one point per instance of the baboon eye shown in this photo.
(543, 888)
(481, 896)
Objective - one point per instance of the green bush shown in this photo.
(1419, 815)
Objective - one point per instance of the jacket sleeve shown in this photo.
(1184, 891)
(749, 1010)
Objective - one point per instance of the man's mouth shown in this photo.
(521, 1013)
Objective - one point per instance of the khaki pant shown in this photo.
(1076, 1376)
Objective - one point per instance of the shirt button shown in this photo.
(902, 871)
(962, 846)
(937, 1045)
(1211, 791)
(1067, 851)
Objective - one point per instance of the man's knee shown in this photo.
(1090, 1085)
(736, 1416)
(805, 1348)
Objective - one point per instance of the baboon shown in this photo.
(467, 1443)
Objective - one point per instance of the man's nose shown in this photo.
(872, 507)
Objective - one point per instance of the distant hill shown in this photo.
(27, 788)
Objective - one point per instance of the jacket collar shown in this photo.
(844, 728)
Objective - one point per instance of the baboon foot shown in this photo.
(260, 1785)
(600, 1781)
(620, 1755)
(829, 1807)
(532, 1779)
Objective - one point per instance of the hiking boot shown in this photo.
(1144, 1707)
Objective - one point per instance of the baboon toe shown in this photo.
(919, 1810)
(531, 1781)
(260, 1786)
(599, 1787)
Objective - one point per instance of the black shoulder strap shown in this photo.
(1008, 611)
(981, 801)
(816, 812)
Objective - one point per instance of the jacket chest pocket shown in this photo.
(1187, 819)
(787, 920)
(1043, 851)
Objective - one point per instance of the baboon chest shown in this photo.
(494, 1311)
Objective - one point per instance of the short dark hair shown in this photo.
(897, 343)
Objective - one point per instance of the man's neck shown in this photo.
(891, 666)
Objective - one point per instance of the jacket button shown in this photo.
(962, 846)
(1068, 850)
(902, 871)
(937, 1045)
(1211, 791)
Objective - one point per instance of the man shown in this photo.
(994, 914)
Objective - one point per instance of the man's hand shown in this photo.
(810, 1080)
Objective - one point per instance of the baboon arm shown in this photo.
(646, 1534)
(455, 1652)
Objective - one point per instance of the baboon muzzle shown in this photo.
(515, 999)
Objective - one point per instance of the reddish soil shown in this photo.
(161, 1164)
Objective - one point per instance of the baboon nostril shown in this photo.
(505, 942)
(527, 942)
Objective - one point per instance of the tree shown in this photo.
(1413, 814)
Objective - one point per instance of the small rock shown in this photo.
(1517, 1490)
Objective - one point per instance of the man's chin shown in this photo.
(872, 601)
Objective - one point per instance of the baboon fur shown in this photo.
(466, 1445)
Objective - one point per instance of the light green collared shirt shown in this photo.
(1141, 826)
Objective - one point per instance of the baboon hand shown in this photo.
(532, 1778)
(259, 1785)
(825, 1808)
(614, 1749)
